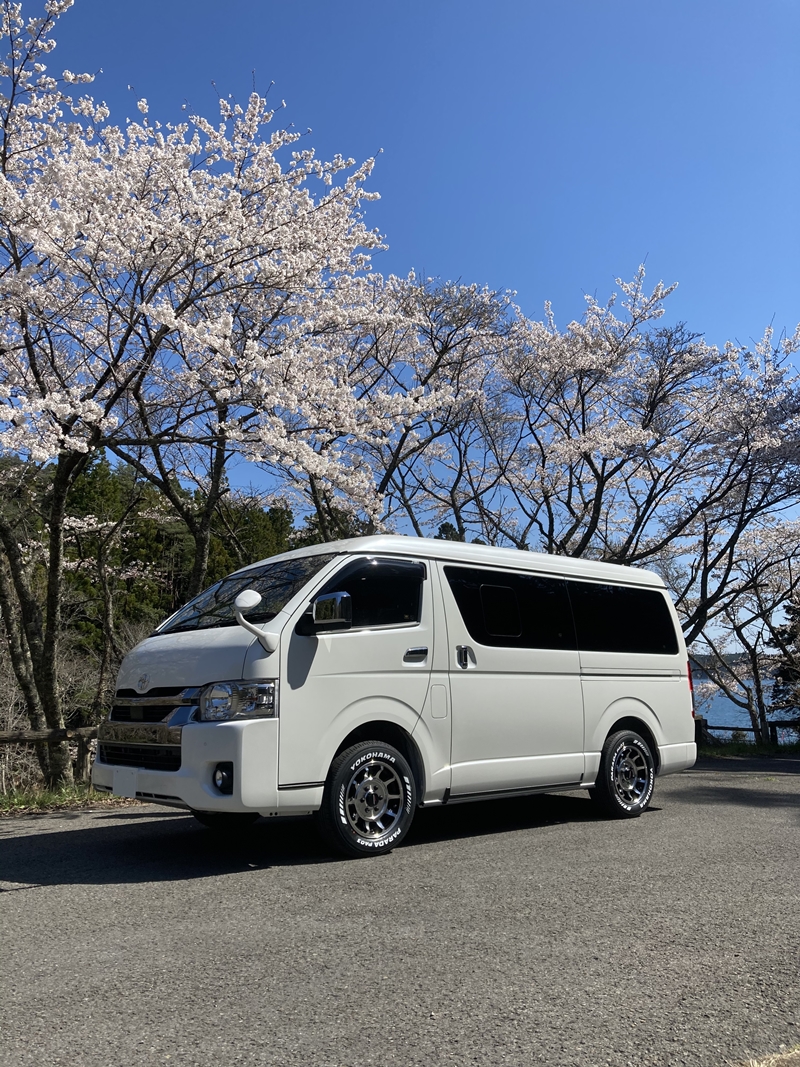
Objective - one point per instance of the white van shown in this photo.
(365, 678)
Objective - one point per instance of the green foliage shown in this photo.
(786, 688)
(243, 532)
(134, 550)
(128, 561)
(448, 532)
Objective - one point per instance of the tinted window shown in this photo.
(501, 611)
(514, 610)
(618, 618)
(276, 582)
(384, 592)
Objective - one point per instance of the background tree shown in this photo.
(737, 647)
(621, 440)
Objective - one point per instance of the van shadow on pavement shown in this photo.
(137, 846)
(130, 846)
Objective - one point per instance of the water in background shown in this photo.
(720, 711)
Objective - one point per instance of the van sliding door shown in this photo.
(514, 681)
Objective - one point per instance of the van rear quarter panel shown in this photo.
(654, 689)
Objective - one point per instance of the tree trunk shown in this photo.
(68, 467)
(21, 661)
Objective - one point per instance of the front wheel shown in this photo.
(369, 800)
(626, 777)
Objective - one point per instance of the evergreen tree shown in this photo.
(786, 687)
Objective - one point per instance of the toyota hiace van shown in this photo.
(365, 678)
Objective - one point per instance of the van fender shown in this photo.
(622, 708)
(369, 709)
(432, 738)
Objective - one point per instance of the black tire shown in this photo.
(625, 781)
(226, 821)
(369, 800)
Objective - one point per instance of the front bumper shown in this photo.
(250, 745)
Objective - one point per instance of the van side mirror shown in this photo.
(328, 613)
(247, 599)
(332, 611)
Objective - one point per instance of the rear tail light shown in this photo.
(691, 684)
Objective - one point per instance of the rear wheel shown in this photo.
(226, 820)
(626, 777)
(369, 800)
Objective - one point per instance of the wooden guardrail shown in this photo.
(702, 728)
(50, 737)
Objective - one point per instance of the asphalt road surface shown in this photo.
(514, 932)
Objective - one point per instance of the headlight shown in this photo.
(239, 700)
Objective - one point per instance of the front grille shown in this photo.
(148, 713)
(148, 757)
(154, 706)
(156, 691)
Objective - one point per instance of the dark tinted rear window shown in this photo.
(618, 618)
(513, 610)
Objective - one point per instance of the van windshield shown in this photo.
(276, 582)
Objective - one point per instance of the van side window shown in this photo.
(512, 610)
(500, 611)
(384, 592)
(621, 618)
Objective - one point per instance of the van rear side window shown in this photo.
(621, 618)
(511, 610)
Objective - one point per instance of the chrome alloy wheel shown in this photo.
(630, 774)
(373, 799)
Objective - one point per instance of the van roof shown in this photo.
(477, 555)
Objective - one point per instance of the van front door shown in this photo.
(517, 706)
(378, 669)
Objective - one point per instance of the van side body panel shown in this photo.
(332, 683)
(517, 712)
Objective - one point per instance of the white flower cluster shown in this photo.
(171, 283)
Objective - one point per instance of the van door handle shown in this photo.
(412, 654)
(463, 655)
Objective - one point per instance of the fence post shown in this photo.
(773, 734)
(83, 759)
(701, 734)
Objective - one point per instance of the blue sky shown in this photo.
(545, 146)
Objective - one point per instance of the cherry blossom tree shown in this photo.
(416, 354)
(170, 293)
(745, 633)
(621, 439)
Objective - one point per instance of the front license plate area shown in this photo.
(125, 781)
